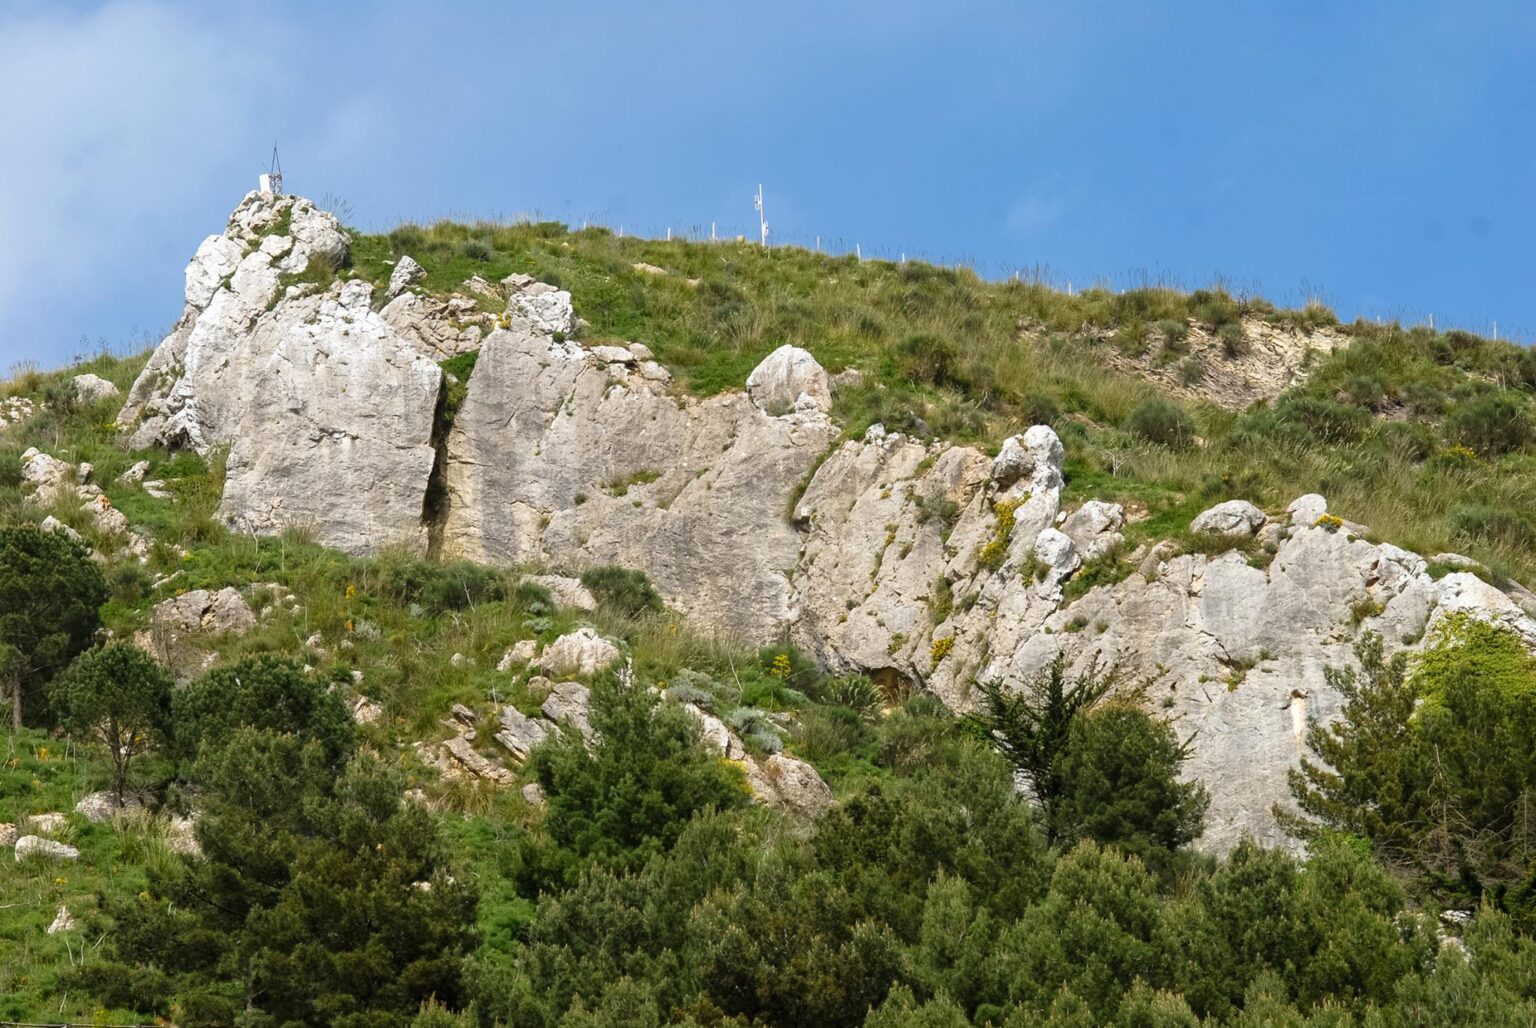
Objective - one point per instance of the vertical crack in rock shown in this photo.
(437, 498)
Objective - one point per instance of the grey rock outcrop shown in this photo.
(921, 564)
(406, 273)
(567, 592)
(102, 807)
(521, 733)
(326, 408)
(1305, 510)
(788, 379)
(90, 388)
(568, 704)
(205, 610)
(582, 652)
(1235, 518)
(1094, 528)
(33, 846)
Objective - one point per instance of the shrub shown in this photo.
(1175, 334)
(442, 587)
(1159, 421)
(1491, 425)
(1326, 420)
(263, 693)
(1480, 521)
(930, 359)
(628, 796)
(625, 590)
(1234, 339)
(476, 250)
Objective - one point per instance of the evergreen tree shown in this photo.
(1119, 780)
(1435, 764)
(1032, 729)
(267, 693)
(628, 795)
(317, 900)
(119, 696)
(51, 594)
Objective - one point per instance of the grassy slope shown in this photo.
(1388, 429)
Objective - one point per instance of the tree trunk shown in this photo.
(15, 686)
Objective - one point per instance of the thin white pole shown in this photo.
(762, 215)
(858, 252)
(818, 244)
(669, 233)
(711, 231)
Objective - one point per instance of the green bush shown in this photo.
(1234, 339)
(1491, 425)
(625, 590)
(437, 587)
(476, 250)
(931, 360)
(1158, 421)
(265, 693)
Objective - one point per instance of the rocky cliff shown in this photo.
(919, 563)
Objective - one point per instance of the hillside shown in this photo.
(652, 610)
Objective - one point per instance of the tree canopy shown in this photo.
(119, 696)
(51, 594)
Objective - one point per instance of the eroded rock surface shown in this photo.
(326, 408)
(571, 456)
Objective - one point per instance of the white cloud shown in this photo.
(115, 121)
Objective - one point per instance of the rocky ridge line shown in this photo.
(919, 563)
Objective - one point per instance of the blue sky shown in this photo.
(1378, 155)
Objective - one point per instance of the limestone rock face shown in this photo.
(560, 454)
(326, 408)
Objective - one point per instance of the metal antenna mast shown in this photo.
(762, 215)
(272, 181)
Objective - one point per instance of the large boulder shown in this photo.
(33, 846)
(582, 652)
(787, 379)
(90, 388)
(1234, 519)
(406, 273)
